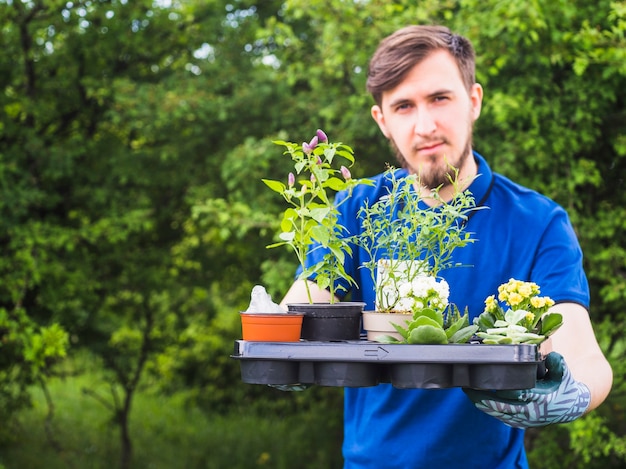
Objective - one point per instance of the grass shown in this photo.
(166, 435)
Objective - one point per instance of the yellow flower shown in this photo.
(490, 303)
(541, 302)
(525, 290)
(537, 302)
(515, 299)
(530, 316)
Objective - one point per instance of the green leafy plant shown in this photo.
(408, 242)
(405, 238)
(517, 316)
(311, 215)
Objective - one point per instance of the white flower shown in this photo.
(405, 290)
(420, 286)
(404, 285)
(404, 304)
(421, 292)
(443, 290)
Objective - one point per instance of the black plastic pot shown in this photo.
(269, 372)
(347, 374)
(330, 322)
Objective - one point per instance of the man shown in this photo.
(423, 83)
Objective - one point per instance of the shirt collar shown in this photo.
(481, 185)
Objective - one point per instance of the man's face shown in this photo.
(428, 118)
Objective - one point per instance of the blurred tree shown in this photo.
(113, 115)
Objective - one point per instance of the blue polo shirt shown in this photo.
(520, 234)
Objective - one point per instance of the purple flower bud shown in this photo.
(319, 160)
(346, 173)
(313, 143)
(291, 179)
(313, 178)
(322, 136)
(306, 148)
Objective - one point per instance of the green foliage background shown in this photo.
(134, 136)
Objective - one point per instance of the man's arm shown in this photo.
(297, 294)
(576, 342)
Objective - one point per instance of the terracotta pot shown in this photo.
(330, 322)
(262, 327)
(377, 324)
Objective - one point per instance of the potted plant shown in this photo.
(408, 243)
(311, 218)
(265, 321)
(517, 316)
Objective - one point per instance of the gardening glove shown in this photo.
(290, 387)
(556, 398)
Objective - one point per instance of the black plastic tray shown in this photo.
(364, 363)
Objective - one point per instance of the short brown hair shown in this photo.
(399, 53)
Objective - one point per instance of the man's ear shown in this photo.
(476, 97)
(377, 115)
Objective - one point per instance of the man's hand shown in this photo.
(557, 398)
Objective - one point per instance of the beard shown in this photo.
(441, 173)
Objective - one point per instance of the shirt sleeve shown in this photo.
(558, 265)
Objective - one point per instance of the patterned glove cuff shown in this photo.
(577, 399)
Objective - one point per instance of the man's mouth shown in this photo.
(429, 147)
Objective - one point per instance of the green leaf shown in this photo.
(432, 314)
(423, 321)
(550, 323)
(487, 336)
(514, 316)
(404, 332)
(494, 340)
(323, 282)
(458, 325)
(338, 254)
(347, 155)
(318, 214)
(336, 184)
(276, 186)
(485, 321)
(320, 234)
(428, 334)
(287, 236)
(387, 339)
(463, 335)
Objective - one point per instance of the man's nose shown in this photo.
(424, 122)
